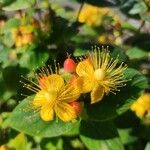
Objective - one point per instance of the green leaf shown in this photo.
(19, 4)
(67, 30)
(128, 26)
(11, 76)
(8, 40)
(117, 51)
(100, 135)
(74, 131)
(147, 147)
(145, 130)
(51, 143)
(145, 16)
(18, 143)
(4, 53)
(113, 105)
(138, 8)
(26, 119)
(126, 136)
(136, 53)
(5, 2)
(5, 93)
(33, 59)
(10, 24)
(79, 52)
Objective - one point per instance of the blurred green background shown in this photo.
(34, 33)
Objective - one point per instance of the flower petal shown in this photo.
(84, 68)
(70, 92)
(55, 82)
(86, 72)
(87, 84)
(47, 112)
(97, 94)
(40, 99)
(65, 111)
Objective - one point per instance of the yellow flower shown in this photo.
(142, 105)
(100, 74)
(92, 15)
(22, 35)
(3, 147)
(106, 39)
(109, 39)
(53, 96)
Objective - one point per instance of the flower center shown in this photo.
(51, 95)
(99, 74)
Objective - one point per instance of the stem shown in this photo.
(141, 26)
(81, 6)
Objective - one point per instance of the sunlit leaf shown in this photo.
(147, 147)
(136, 53)
(19, 142)
(19, 4)
(126, 136)
(32, 59)
(26, 120)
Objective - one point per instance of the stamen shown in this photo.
(29, 80)
(106, 71)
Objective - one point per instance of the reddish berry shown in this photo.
(69, 65)
(77, 107)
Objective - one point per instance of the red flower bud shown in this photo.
(69, 65)
(76, 106)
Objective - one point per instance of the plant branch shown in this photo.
(81, 6)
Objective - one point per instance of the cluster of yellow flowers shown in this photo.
(22, 35)
(95, 16)
(142, 105)
(96, 73)
(92, 15)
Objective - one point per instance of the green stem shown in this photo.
(81, 6)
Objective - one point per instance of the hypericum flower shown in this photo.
(3, 147)
(109, 39)
(100, 74)
(92, 15)
(142, 106)
(53, 96)
(22, 35)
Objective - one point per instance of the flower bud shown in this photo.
(76, 106)
(69, 65)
